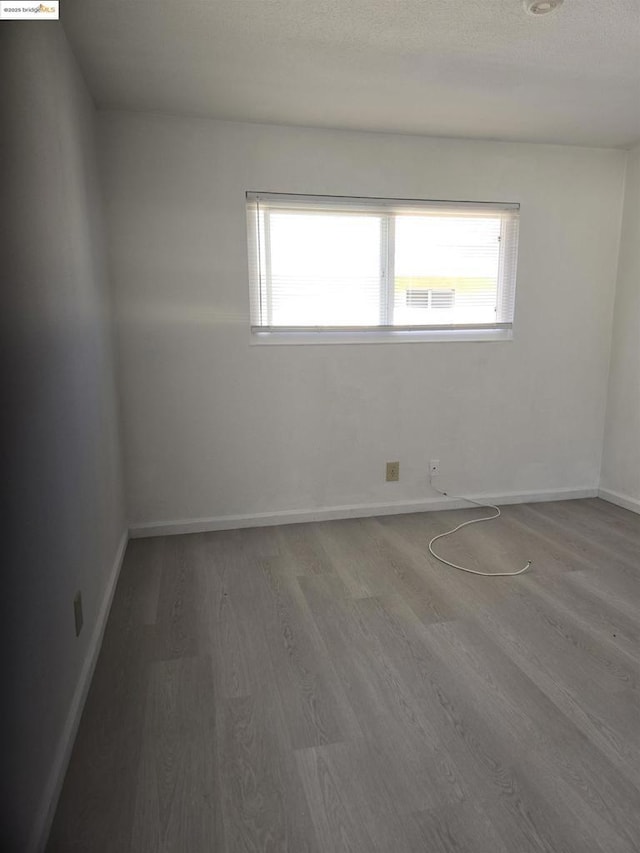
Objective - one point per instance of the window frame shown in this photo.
(384, 332)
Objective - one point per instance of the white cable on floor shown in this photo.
(464, 524)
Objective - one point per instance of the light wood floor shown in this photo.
(330, 687)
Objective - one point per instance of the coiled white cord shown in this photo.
(465, 524)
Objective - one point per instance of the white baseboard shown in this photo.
(620, 500)
(44, 819)
(295, 516)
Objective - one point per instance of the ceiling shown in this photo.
(464, 68)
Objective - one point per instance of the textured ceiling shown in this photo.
(467, 68)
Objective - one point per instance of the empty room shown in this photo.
(321, 426)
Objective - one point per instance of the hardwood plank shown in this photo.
(566, 676)
(146, 559)
(605, 592)
(418, 577)
(349, 800)
(179, 617)
(431, 722)
(302, 550)
(316, 709)
(533, 731)
(616, 515)
(222, 616)
(355, 559)
(603, 626)
(462, 829)
(368, 682)
(177, 803)
(591, 548)
(613, 524)
(331, 687)
(525, 818)
(262, 798)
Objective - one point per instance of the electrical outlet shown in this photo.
(77, 612)
(434, 466)
(393, 472)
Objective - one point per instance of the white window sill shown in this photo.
(383, 337)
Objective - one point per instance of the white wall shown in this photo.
(216, 427)
(621, 459)
(60, 448)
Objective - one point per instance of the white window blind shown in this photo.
(332, 264)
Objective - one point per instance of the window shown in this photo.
(376, 268)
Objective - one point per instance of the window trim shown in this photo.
(387, 209)
(308, 337)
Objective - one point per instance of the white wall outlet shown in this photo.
(434, 466)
